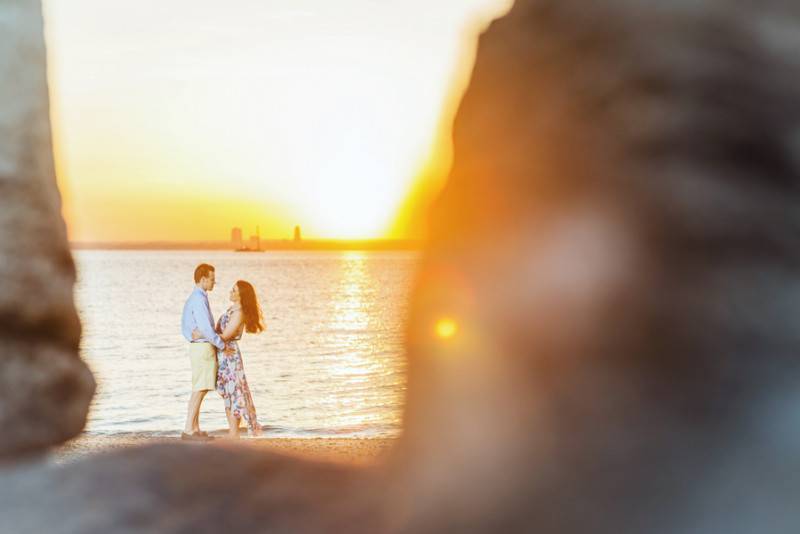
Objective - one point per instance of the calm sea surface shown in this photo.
(329, 364)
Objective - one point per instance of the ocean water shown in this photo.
(330, 363)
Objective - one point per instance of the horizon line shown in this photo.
(266, 244)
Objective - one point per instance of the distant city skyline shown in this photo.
(257, 242)
(254, 242)
(265, 245)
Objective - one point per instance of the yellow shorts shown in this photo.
(204, 366)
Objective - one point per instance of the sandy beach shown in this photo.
(362, 451)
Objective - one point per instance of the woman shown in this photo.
(243, 315)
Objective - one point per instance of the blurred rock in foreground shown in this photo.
(45, 388)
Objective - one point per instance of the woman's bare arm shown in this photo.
(233, 326)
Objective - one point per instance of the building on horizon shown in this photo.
(236, 238)
(297, 236)
(255, 240)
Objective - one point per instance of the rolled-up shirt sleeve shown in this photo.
(202, 318)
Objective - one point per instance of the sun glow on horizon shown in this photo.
(179, 120)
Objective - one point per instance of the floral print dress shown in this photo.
(231, 381)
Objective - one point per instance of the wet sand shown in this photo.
(366, 451)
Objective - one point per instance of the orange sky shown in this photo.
(179, 120)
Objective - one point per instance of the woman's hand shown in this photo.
(196, 334)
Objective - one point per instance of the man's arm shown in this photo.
(202, 318)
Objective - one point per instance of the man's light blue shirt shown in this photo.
(197, 314)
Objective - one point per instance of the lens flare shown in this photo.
(446, 328)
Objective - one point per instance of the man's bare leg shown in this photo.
(193, 412)
(196, 422)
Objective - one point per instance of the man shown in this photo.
(197, 315)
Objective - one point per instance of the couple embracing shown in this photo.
(214, 352)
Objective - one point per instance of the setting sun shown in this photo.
(180, 120)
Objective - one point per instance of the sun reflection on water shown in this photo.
(349, 308)
(350, 315)
(360, 366)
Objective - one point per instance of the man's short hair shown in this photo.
(202, 271)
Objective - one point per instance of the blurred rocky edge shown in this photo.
(45, 388)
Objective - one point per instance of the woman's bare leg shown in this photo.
(233, 424)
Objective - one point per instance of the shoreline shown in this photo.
(356, 451)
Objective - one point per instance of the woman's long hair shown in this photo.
(253, 319)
